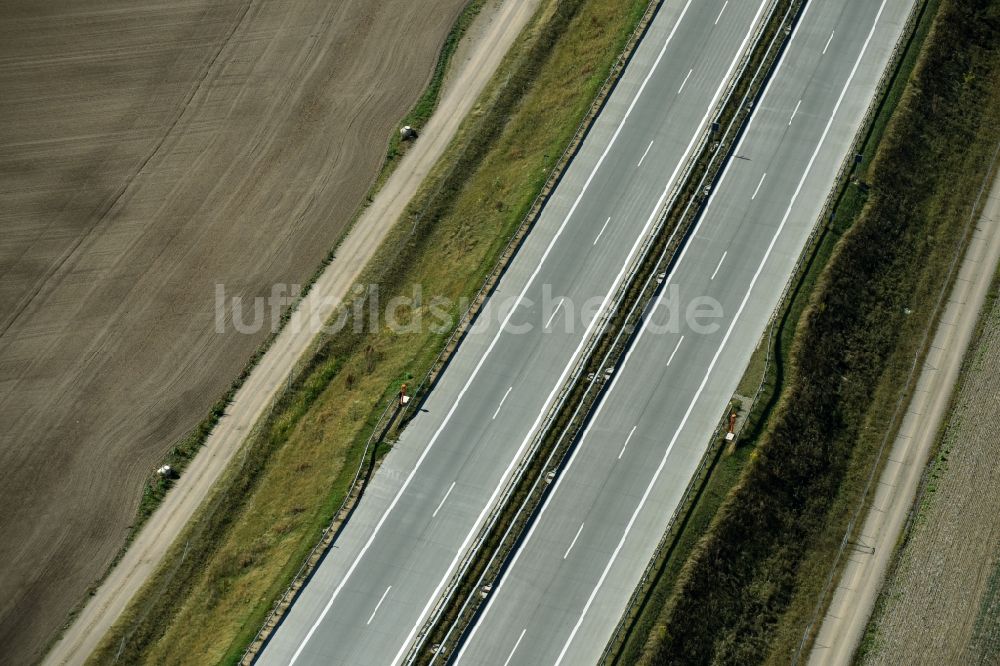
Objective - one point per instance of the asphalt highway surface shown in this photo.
(374, 590)
(568, 584)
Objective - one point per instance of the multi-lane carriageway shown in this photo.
(570, 580)
(373, 591)
(561, 599)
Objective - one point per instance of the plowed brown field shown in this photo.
(147, 153)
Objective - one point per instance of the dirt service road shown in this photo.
(148, 153)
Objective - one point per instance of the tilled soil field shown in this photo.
(149, 152)
(939, 606)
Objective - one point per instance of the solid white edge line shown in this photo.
(627, 440)
(601, 232)
(642, 159)
(725, 78)
(509, 389)
(628, 354)
(559, 305)
(724, 5)
(617, 375)
(514, 649)
(378, 605)
(684, 82)
(475, 373)
(443, 499)
(604, 304)
(725, 340)
(756, 191)
(573, 542)
(674, 352)
(716, 271)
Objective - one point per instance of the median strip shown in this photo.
(471, 589)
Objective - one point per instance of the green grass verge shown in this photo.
(220, 579)
(952, 108)
(749, 586)
(724, 474)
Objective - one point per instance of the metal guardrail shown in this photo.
(468, 317)
(775, 49)
(846, 168)
(615, 347)
(606, 88)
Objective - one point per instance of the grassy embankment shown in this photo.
(238, 555)
(747, 589)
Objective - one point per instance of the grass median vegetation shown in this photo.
(748, 587)
(238, 555)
